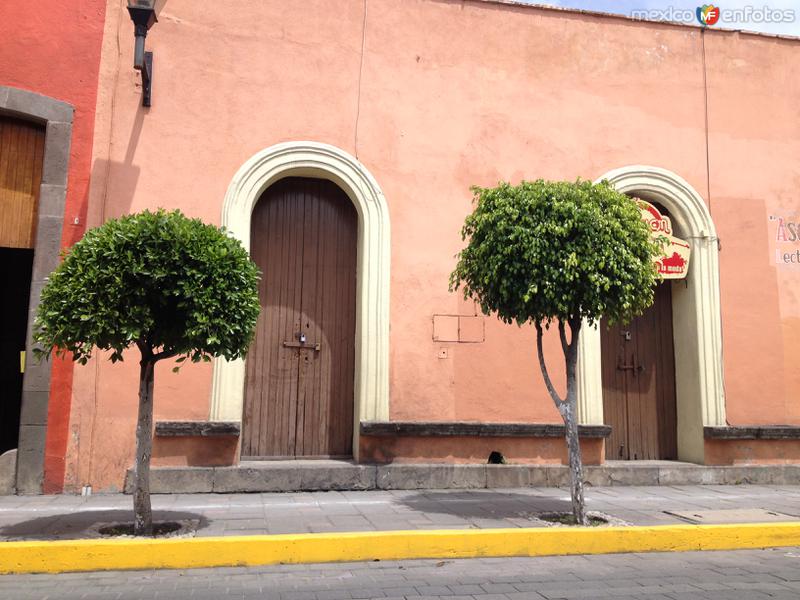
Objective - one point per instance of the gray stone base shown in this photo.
(8, 472)
(294, 476)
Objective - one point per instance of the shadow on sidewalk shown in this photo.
(83, 524)
(484, 504)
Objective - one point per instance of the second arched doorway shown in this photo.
(696, 315)
(299, 395)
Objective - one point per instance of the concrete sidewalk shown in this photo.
(74, 517)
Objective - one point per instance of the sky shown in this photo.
(773, 16)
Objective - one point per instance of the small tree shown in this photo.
(171, 286)
(557, 251)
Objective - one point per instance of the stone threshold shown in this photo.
(327, 475)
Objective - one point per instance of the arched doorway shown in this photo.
(321, 161)
(696, 323)
(298, 398)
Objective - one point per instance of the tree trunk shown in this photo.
(569, 412)
(568, 409)
(143, 514)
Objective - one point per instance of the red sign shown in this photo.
(674, 263)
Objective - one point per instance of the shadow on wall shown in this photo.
(121, 180)
(120, 177)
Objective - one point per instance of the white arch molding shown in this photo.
(322, 161)
(696, 321)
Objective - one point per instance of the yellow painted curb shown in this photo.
(185, 553)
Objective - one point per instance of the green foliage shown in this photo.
(160, 280)
(544, 250)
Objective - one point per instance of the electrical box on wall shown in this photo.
(459, 328)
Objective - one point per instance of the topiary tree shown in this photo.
(566, 252)
(169, 285)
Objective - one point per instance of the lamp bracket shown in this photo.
(147, 78)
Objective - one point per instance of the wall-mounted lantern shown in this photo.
(143, 14)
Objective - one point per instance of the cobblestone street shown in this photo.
(745, 575)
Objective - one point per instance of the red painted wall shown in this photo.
(53, 48)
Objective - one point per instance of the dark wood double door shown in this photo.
(639, 384)
(300, 368)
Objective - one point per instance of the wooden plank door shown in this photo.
(21, 156)
(639, 384)
(300, 369)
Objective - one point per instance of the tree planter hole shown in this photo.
(568, 519)
(166, 529)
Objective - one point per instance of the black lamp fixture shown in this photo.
(143, 14)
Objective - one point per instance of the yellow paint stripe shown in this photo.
(184, 553)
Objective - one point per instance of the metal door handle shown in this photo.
(302, 345)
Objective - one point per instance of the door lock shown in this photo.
(302, 343)
(626, 335)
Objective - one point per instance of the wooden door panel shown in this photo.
(641, 376)
(615, 385)
(21, 156)
(299, 401)
(272, 370)
(326, 376)
(666, 401)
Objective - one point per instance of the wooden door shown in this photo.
(639, 384)
(300, 368)
(21, 154)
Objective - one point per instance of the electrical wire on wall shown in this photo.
(705, 113)
(708, 200)
(86, 483)
(360, 71)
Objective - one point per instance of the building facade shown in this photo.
(339, 141)
(50, 59)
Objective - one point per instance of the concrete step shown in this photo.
(324, 475)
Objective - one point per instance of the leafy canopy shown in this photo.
(544, 250)
(157, 279)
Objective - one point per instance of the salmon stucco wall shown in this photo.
(53, 48)
(754, 142)
(434, 96)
